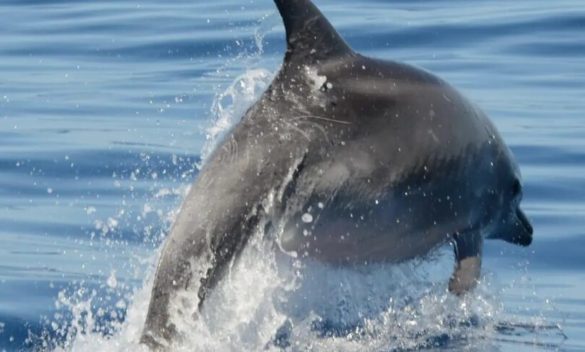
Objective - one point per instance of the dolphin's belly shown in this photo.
(342, 242)
(357, 224)
(380, 233)
(365, 206)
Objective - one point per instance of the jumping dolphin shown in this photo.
(360, 160)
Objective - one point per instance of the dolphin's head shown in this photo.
(514, 226)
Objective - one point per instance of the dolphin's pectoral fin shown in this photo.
(468, 267)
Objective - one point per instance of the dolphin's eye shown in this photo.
(516, 187)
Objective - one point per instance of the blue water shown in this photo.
(105, 107)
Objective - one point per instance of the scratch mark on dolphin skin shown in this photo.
(297, 129)
(302, 122)
(230, 152)
(433, 135)
(315, 126)
(326, 119)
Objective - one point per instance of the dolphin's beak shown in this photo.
(515, 229)
(525, 236)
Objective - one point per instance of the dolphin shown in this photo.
(355, 160)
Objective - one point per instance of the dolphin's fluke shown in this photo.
(309, 35)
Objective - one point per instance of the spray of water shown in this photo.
(230, 103)
(271, 301)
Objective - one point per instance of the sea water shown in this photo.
(108, 109)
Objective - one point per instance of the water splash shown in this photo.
(271, 301)
(230, 103)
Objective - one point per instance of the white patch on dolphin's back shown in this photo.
(317, 81)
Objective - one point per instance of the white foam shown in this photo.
(328, 308)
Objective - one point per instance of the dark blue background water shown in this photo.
(104, 107)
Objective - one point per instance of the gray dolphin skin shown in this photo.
(355, 160)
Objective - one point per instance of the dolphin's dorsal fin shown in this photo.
(309, 35)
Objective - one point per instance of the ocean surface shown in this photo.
(107, 108)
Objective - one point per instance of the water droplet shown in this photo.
(112, 281)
